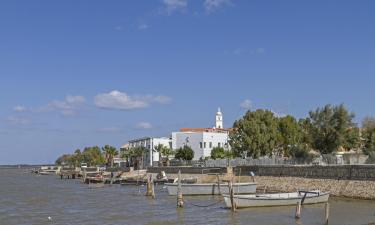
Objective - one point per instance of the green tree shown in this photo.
(218, 153)
(65, 159)
(110, 153)
(184, 153)
(306, 132)
(255, 134)
(93, 156)
(77, 158)
(137, 155)
(289, 135)
(330, 128)
(164, 152)
(368, 135)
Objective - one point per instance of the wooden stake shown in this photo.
(152, 189)
(326, 213)
(180, 201)
(218, 183)
(298, 210)
(231, 193)
(148, 187)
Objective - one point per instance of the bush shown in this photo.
(301, 154)
(184, 153)
(371, 158)
(218, 153)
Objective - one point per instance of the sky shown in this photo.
(84, 73)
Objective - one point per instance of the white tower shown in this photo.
(219, 119)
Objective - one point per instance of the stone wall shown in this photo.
(339, 172)
(188, 170)
(358, 189)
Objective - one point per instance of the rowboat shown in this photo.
(211, 188)
(277, 199)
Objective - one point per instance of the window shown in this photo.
(200, 144)
(204, 144)
(210, 144)
(219, 144)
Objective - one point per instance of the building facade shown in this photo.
(202, 140)
(149, 143)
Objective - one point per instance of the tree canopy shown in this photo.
(368, 134)
(184, 153)
(262, 133)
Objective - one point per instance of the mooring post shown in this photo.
(218, 183)
(150, 187)
(231, 193)
(326, 213)
(180, 201)
(298, 210)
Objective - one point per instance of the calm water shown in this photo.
(30, 199)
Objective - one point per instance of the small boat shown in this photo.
(277, 199)
(211, 188)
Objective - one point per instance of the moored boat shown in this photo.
(211, 188)
(277, 199)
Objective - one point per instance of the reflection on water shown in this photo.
(30, 199)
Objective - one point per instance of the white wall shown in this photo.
(150, 144)
(194, 140)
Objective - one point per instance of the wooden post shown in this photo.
(298, 210)
(231, 193)
(150, 187)
(180, 201)
(218, 183)
(326, 213)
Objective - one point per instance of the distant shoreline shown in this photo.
(23, 166)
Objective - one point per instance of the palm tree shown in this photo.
(125, 154)
(164, 151)
(137, 153)
(110, 153)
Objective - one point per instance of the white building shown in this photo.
(149, 143)
(202, 140)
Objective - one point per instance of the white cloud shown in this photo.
(144, 125)
(121, 100)
(212, 5)
(109, 130)
(174, 5)
(18, 120)
(260, 50)
(143, 26)
(67, 107)
(20, 108)
(246, 104)
(119, 28)
(278, 114)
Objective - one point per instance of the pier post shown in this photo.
(231, 194)
(326, 214)
(218, 183)
(180, 201)
(298, 210)
(150, 187)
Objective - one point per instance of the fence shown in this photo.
(328, 159)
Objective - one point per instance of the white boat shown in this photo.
(211, 188)
(278, 199)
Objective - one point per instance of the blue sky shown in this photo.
(82, 73)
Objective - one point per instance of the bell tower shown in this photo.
(219, 119)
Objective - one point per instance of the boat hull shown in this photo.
(211, 188)
(274, 200)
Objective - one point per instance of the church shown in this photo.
(203, 140)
